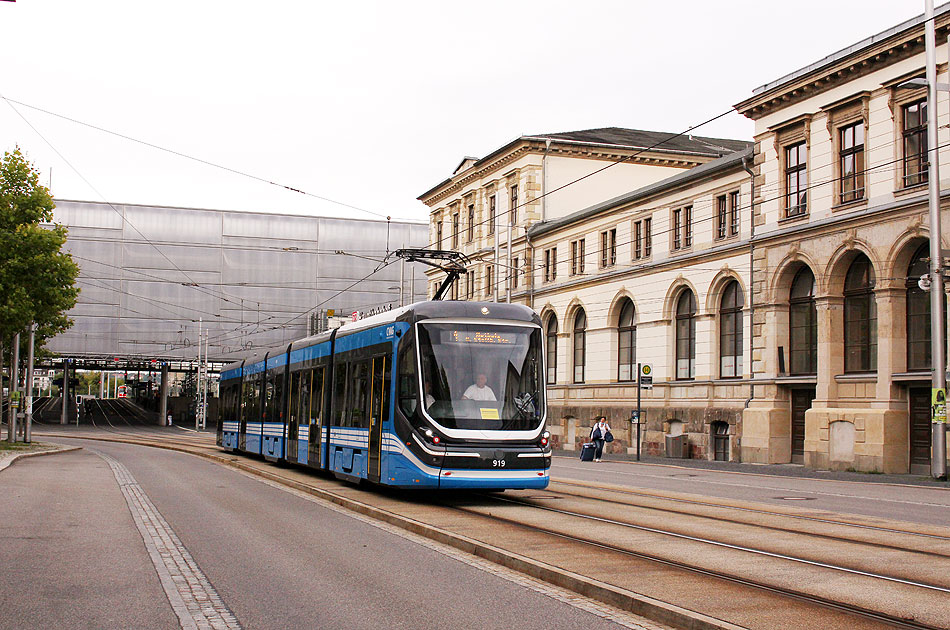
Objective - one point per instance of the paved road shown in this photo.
(72, 555)
(917, 504)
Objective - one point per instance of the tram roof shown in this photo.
(412, 313)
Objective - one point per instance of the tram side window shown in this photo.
(382, 380)
(408, 380)
(357, 394)
(316, 394)
(279, 405)
(252, 399)
(339, 390)
(300, 402)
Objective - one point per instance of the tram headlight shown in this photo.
(435, 439)
(545, 437)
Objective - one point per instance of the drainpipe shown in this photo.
(751, 173)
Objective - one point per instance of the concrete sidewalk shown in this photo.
(778, 470)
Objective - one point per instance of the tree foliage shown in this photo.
(37, 279)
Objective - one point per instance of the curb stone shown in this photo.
(7, 460)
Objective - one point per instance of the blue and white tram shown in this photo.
(444, 394)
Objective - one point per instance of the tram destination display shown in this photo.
(490, 337)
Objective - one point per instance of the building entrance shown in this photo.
(919, 398)
(801, 402)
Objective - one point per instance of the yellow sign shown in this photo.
(938, 409)
(646, 369)
(489, 413)
(331, 312)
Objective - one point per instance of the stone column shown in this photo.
(891, 345)
(163, 397)
(830, 348)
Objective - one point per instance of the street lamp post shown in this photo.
(938, 454)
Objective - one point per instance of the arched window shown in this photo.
(803, 324)
(860, 317)
(580, 345)
(686, 336)
(627, 342)
(918, 312)
(730, 332)
(550, 338)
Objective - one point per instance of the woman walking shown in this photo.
(598, 435)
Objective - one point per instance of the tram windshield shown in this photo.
(482, 377)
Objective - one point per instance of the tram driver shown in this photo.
(479, 390)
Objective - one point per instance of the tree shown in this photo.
(37, 279)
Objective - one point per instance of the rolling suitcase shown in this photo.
(587, 452)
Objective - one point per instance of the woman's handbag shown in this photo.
(595, 434)
(608, 437)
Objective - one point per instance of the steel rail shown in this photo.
(824, 521)
(798, 595)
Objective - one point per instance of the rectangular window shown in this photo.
(550, 264)
(577, 257)
(677, 228)
(647, 237)
(721, 216)
(514, 272)
(796, 192)
(638, 239)
(851, 162)
(688, 226)
(489, 280)
(471, 222)
(438, 235)
(914, 126)
(455, 230)
(513, 210)
(608, 248)
(734, 213)
(491, 214)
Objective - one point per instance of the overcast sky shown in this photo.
(372, 103)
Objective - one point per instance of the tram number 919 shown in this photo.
(498, 463)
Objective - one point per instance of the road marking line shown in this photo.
(189, 591)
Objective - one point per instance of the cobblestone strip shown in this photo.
(191, 595)
(605, 611)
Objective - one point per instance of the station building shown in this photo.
(841, 329)
(772, 286)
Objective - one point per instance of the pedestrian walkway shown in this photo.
(9, 453)
(778, 470)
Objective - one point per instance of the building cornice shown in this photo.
(884, 49)
(537, 145)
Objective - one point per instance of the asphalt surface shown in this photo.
(70, 555)
(884, 498)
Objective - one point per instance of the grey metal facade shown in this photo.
(148, 273)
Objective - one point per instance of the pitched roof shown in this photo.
(616, 137)
(640, 139)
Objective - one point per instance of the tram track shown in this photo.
(926, 538)
(560, 544)
(563, 532)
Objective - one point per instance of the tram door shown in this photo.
(293, 417)
(315, 414)
(379, 399)
(919, 430)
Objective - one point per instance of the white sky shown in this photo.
(373, 103)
